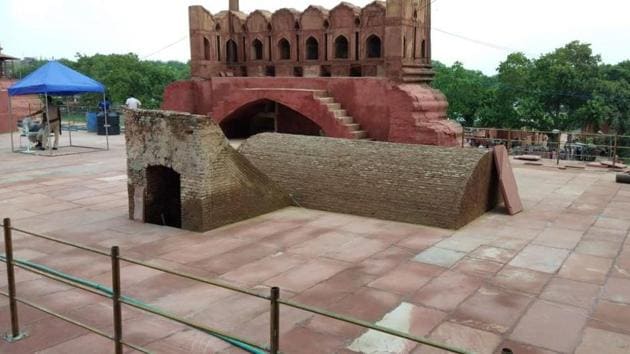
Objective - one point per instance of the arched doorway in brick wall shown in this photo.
(264, 116)
(162, 199)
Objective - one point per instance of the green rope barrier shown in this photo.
(108, 291)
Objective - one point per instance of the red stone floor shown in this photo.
(554, 279)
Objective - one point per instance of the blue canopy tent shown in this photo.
(56, 79)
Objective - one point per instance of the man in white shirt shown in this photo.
(133, 103)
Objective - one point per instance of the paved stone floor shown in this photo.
(554, 279)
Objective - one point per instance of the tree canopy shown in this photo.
(124, 75)
(569, 88)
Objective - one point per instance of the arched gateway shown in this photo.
(247, 112)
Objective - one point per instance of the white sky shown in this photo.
(61, 28)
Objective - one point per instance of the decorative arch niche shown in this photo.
(284, 48)
(231, 50)
(257, 49)
(342, 47)
(312, 49)
(373, 46)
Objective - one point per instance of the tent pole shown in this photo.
(106, 123)
(70, 128)
(47, 123)
(11, 122)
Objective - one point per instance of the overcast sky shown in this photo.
(61, 28)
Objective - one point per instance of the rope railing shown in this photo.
(117, 298)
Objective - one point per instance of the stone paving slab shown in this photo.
(552, 279)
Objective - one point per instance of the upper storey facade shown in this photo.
(385, 38)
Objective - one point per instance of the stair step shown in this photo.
(353, 127)
(333, 106)
(346, 119)
(320, 93)
(359, 134)
(340, 112)
(326, 100)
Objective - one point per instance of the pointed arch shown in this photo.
(373, 46)
(231, 51)
(312, 49)
(257, 49)
(284, 49)
(341, 47)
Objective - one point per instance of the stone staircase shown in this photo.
(341, 114)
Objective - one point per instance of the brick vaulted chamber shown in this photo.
(182, 172)
(428, 185)
(349, 72)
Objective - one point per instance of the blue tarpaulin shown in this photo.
(55, 79)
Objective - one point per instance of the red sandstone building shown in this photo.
(20, 105)
(350, 72)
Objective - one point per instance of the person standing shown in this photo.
(51, 122)
(133, 103)
(104, 105)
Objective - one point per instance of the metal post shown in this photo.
(614, 159)
(274, 321)
(47, 124)
(71, 122)
(8, 250)
(558, 149)
(509, 144)
(116, 300)
(11, 120)
(106, 122)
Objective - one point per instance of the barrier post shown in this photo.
(116, 300)
(509, 144)
(614, 159)
(15, 334)
(274, 321)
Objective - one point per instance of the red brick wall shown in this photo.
(21, 106)
(386, 110)
(4, 110)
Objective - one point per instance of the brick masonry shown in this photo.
(429, 185)
(218, 185)
(20, 106)
(386, 110)
(383, 83)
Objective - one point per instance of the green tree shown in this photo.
(562, 83)
(509, 104)
(467, 91)
(126, 75)
(609, 106)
